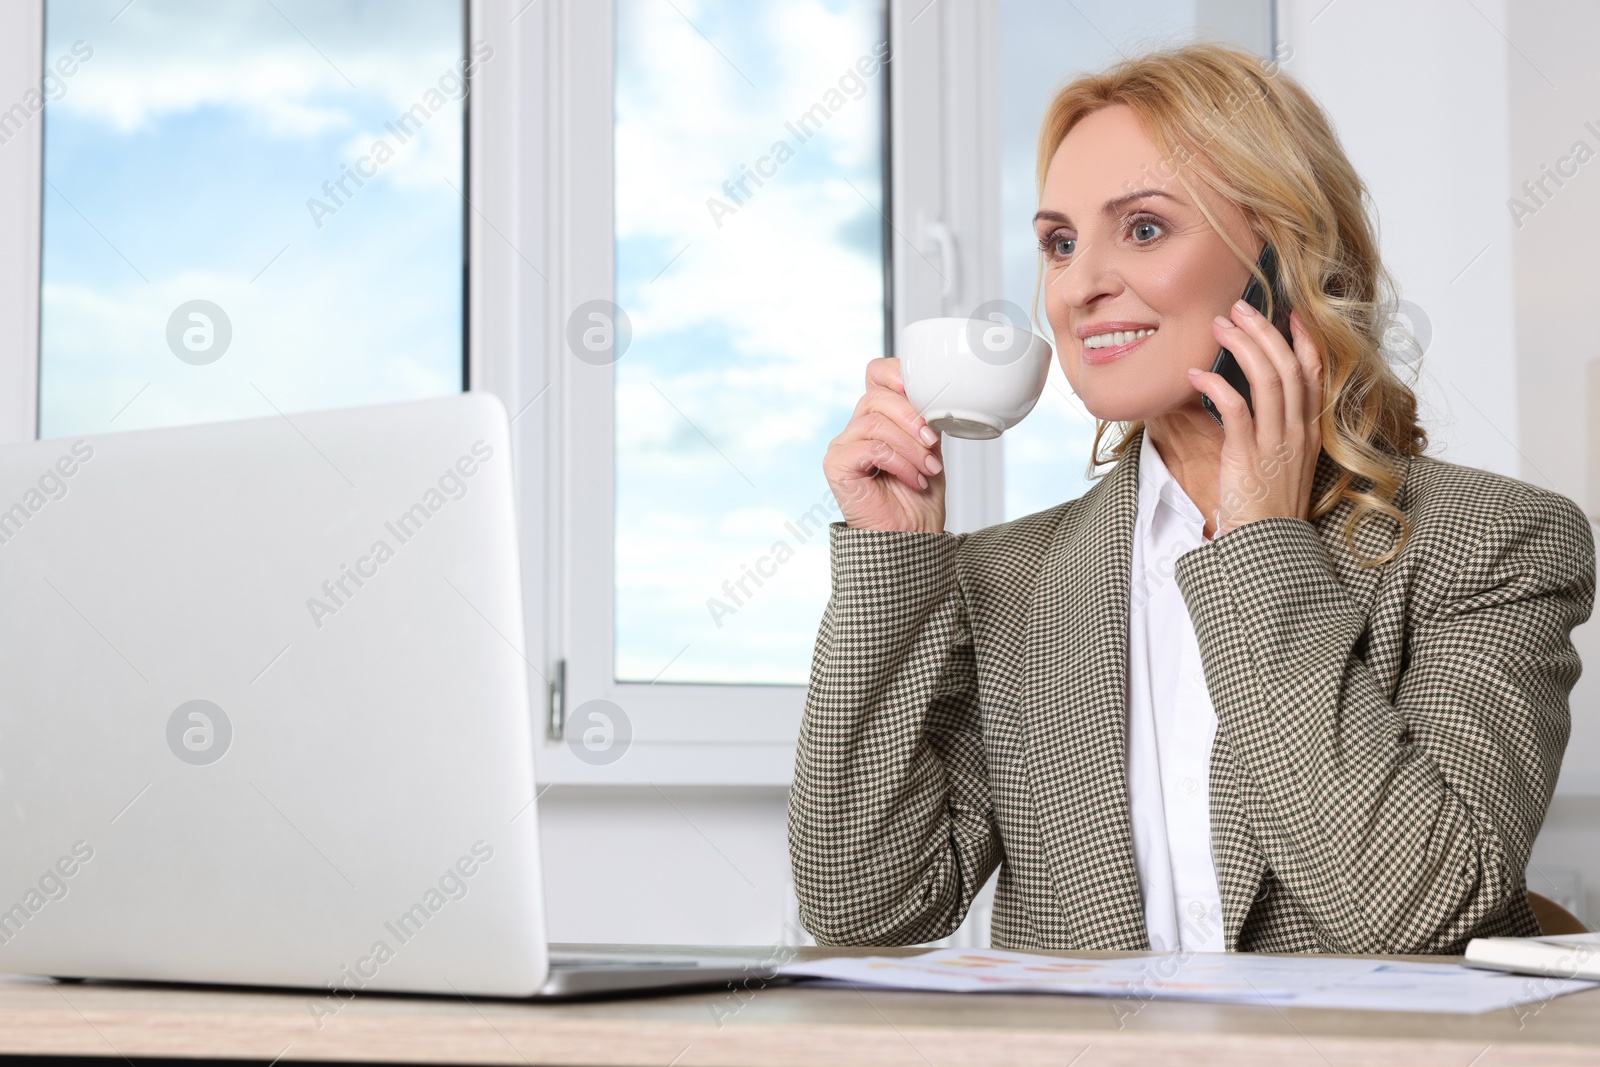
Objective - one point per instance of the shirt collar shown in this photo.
(1158, 486)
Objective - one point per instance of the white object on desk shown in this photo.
(1560, 956)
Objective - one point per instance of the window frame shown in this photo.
(21, 183)
(942, 62)
(664, 717)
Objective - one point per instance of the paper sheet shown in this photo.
(1224, 978)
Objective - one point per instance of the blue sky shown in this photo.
(749, 350)
(179, 161)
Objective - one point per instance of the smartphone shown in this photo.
(1255, 296)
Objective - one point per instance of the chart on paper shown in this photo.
(1226, 978)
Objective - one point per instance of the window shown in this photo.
(688, 227)
(248, 208)
(720, 194)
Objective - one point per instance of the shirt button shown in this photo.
(1190, 786)
(1197, 909)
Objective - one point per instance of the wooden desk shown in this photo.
(774, 1025)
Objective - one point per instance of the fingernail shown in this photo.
(933, 465)
(1224, 322)
(1193, 371)
(922, 481)
(929, 437)
(1244, 307)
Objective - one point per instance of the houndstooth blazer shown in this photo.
(1387, 738)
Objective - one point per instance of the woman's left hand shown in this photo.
(1269, 459)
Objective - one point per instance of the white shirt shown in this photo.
(1171, 723)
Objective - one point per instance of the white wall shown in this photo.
(666, 865)
(1418, 95)
(1555, 91)
(1443, 117)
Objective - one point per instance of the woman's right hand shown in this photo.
(885, 469)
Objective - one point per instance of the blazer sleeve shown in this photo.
(1399, 821)
(891, 829)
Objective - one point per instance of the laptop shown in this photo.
(265, 718)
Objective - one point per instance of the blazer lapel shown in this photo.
(1240, 863)
(1074, 715)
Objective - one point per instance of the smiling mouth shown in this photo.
(1105, 347)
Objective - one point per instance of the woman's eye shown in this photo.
(1058, 246)
(1145, 225)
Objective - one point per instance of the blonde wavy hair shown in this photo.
(1241, 127)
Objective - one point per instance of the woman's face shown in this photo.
(1115, 261)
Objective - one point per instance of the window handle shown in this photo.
(937, 232)
(556, 727)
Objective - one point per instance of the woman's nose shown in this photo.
(1086, 279)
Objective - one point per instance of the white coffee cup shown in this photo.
(973, 378)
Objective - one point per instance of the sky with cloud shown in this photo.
(179, 159)
(753, 322)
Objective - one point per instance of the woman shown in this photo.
(1284, 684)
